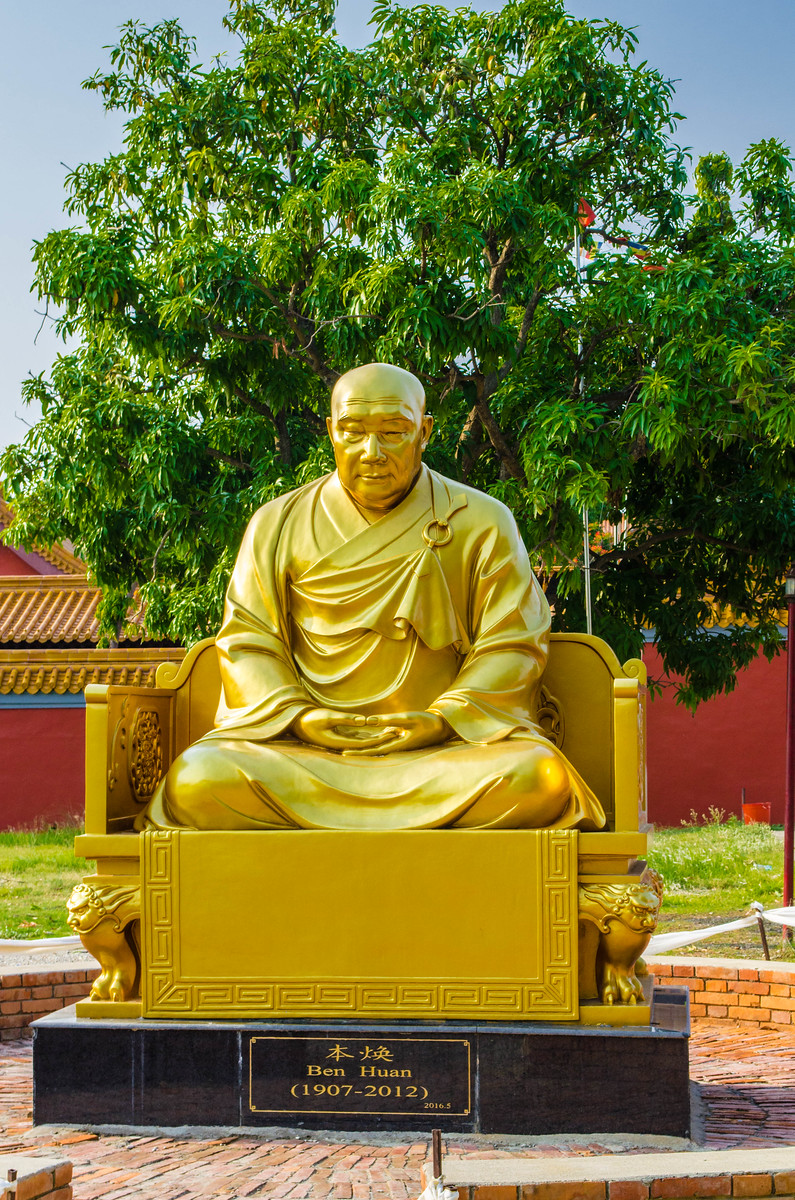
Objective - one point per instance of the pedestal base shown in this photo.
(488, 1077)
(340, 925)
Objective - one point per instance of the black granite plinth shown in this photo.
(493, 1077)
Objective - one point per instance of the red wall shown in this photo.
(731, 742)
(42, 765)
(14, 564)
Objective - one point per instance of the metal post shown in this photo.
(763, 936)
(436, 1153)
(758, 910)
(789, 780)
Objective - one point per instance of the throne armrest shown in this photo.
(129, 747)
(133, 734)
(619, 851)
(629, 746)
(593, 708)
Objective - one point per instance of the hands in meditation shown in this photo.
(354, 734)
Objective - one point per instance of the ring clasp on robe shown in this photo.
(444, 529)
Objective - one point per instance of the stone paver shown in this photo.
(747, 1081)
(73, 958)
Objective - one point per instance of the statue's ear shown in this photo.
(427, 429)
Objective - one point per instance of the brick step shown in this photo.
(35, 1178)
(749, 990)
(661, 1176)
(26, 995)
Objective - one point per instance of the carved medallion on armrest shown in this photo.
(549, 716)
(140, 750)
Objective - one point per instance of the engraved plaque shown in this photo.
(361, 1075)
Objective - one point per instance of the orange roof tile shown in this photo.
(51, 608)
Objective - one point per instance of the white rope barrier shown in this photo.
(437, 1191)
(11, 946)
(781, 916)
(662, 943)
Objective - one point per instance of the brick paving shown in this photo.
(747, 1081)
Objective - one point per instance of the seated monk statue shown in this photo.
(381, 652)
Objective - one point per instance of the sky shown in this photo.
(732, 60)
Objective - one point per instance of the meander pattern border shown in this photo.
(552, 997)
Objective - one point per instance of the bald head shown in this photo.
(379, 429)
(379, 381)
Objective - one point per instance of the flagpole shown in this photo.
(789, 771)
(586, 552)
(586, 536)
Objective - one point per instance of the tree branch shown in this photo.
(499, 269)
(470, 445)
(524, 332)
(657, 539)
(234, 335)
(160, 546)
(227, 458)
(497, 438)
(301, 326)
(279, 421)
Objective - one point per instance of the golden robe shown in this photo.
(432, 607)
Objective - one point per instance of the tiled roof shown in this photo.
(58, 556)
(723, 616)
(51, 608)
(42, 672)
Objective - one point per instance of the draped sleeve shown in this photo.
(495, 691)
(261, 691)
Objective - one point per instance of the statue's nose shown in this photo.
(372, 449)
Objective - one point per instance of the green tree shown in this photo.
(272, 221)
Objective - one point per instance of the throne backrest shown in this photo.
(582, 688)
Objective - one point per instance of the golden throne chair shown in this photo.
(514, 925)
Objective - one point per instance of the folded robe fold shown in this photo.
(431, 607)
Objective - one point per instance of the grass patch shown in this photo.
(745, 861)
(713, 872)
(38, 870)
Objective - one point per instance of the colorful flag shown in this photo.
(585, 214)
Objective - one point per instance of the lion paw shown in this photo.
(620, 986)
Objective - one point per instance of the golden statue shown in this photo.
(381, 653)
(378, 677)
